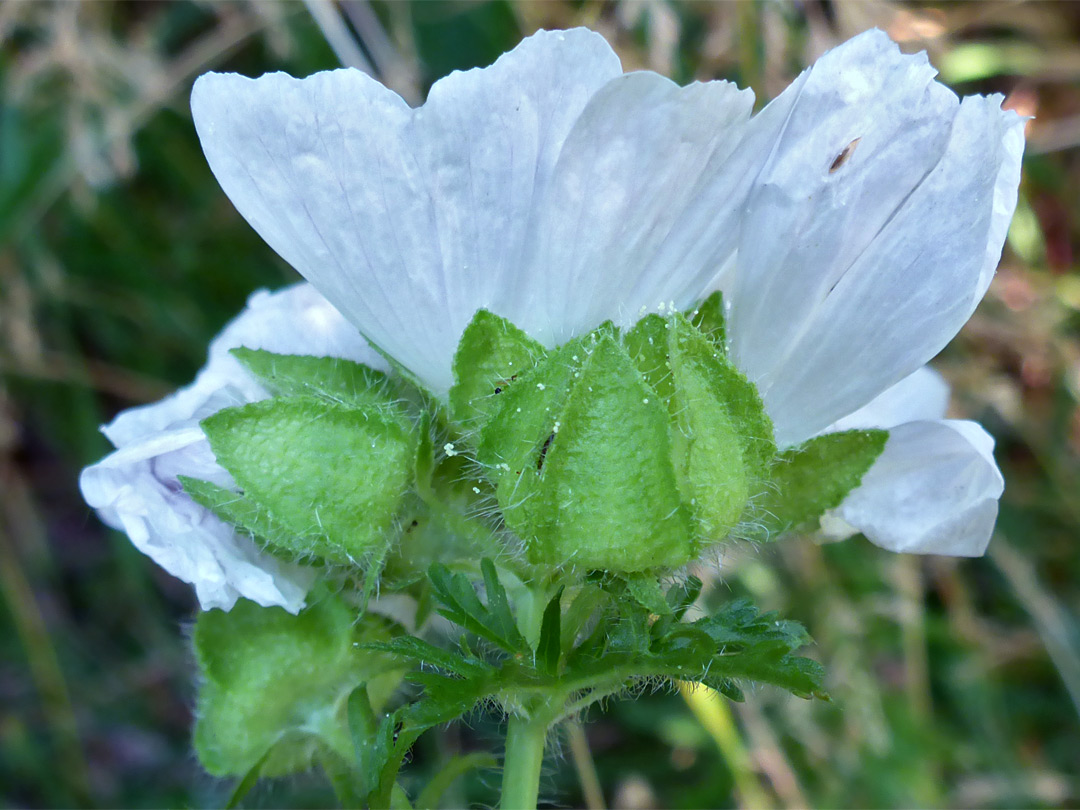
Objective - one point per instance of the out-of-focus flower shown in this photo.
(136, 489)
(854, 224)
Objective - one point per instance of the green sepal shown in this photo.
(647, 345)
(490, 358)
(707, 444)
(816, 476)
(521, 423)
(605, 494)
(721, 438)
(274, 685)
(692, 352)
(331, 378)
(332, 475)
(708, 318)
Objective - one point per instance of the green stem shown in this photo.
(525, 738)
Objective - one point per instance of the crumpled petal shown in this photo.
(136, 488)
(408, 221)
(935, 487)
(871, 232)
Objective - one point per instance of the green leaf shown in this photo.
(816, 476)
(422, 652)
(549, 649)
(736, 644)
(243, 787)
(631, 632)
(274, 685)
(499, 606)
(331, 378)
(343, 777)
(589, 599)
(372, 739)
(490, 358)
(708, 318)
(331, 475)
(647, 591)
(445, 698)
(462, 606)
(605, 496)
(682, 595)
(758, 647)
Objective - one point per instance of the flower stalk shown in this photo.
(526, 736)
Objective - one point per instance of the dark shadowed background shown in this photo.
(954, 683)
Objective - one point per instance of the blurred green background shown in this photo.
(955, 683)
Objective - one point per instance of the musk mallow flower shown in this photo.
(136, 489)
(853, 224)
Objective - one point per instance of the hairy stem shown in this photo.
(525, 738)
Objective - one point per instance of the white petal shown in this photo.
(136, 489)
(934, 490)
(408, 221)
(919, 396)
(612, 237)
(851, 274)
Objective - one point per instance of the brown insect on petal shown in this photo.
(842, 158)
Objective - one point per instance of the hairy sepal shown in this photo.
(814, 477)
(326, 474)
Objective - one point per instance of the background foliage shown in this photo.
(955, 682)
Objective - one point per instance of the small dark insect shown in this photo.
(498, 389)
(543, 451)
(842, 158)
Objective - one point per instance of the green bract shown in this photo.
(324, 469)
(622, 452)
(275, 685)
(816, 476)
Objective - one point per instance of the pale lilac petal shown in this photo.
(136, 488)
